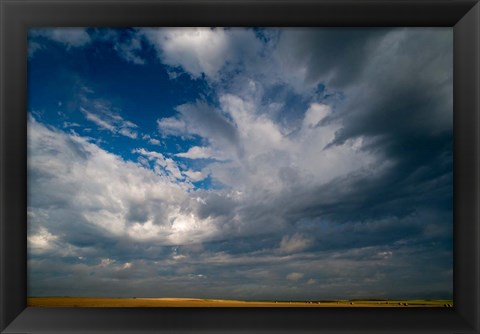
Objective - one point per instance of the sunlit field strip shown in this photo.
(192, 302)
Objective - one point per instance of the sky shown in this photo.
(240, 163)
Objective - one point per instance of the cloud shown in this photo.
(42, 240)
(103, 114)
(172, 167)
(195, 176)
(200, 119)
(172, 126)
(127, 43)
(70, 37)
(61, 165)
(186, 47)
(252, 142)
(294, 243)
(33, 47)
(294, 277)
(202, 51)
(147, 204)
(315, 114)
(128, 133)
(112, 122)
(152, 155)
(97, 120)
(299, 156)
(422, 109)
(154, 141)
(334, 56)
(197, 152)
(129, 50)
(164, 166)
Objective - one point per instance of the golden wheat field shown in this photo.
(193, 302)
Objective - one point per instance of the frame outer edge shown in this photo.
(3, 150)
(12, 163)
(3, 304)
(467, 168)
(477, 169)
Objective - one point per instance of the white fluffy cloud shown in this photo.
(169, 165)
(104, 192)
(315, 114)
(261, 154)
(41, 240)
(127, 200)
(202, 50)
(197, 50)
(195, 176)
(197, 152)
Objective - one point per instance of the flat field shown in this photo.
(193, 302)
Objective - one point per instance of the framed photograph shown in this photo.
(237, 166)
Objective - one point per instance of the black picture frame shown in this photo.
(18, 15)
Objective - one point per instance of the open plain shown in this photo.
(194, 302)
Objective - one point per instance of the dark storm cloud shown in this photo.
(335, 54)
(409, 122)
(216, 205)
(137, 212)
(398, 88)
(360, 198)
